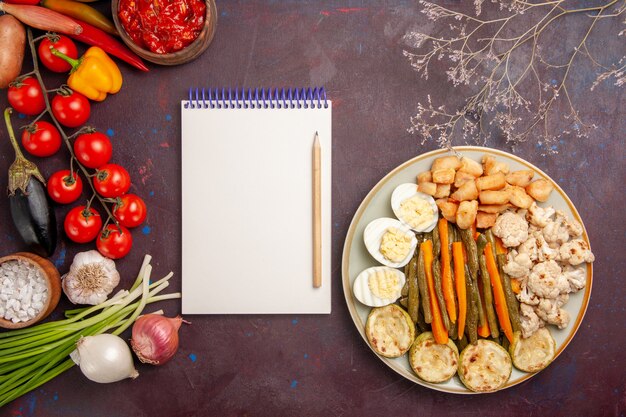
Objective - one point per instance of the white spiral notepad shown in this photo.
(247, 201)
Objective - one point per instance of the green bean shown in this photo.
(439, 292)
(436, 242)
(511, 301)
(423, 287)
(461, 343)
(452, 331)
(472, 308)
(505, 343)
(491, 239)
(421, 324)
(414, 300)
(481, 242)
(488, 295)
(404, 302)
(472, 252)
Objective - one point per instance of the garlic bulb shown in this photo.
(104, 358)
(91, 278)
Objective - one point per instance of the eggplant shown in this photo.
(30, 208)
(34, 218)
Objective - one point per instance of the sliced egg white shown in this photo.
(385, 281)
(373, 237)
(405, 192)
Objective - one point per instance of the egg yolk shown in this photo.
(417, 212)
(384, 284)
(395, 245)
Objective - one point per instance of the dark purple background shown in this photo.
(319, 365)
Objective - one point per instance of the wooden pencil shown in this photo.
(317, 212)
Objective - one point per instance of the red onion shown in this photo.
(155, 338)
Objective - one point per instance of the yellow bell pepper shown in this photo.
(94, 74)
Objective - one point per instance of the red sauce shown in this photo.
(162, 26)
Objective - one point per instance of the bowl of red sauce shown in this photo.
(166, 32)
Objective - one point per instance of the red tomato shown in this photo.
(93, 149)
(64, 188)
(114, 244)
(111, 180)
(130, 210)
(72, 110)
(26, 97)
(41, 139)
(62, 44)
(82, 225)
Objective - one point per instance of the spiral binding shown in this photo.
(259, 98)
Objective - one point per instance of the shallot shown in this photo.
(155, 338)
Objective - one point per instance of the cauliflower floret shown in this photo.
(511, 228)
(576, 276)
(530, 248)
(546, 280)
(539, 216)
(550, 311)
(526, 296)
(518, 264)
(574, 228)
(576, 252)
(555, 232)
(544, 251)
(529, 320)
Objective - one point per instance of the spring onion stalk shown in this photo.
(32, 356)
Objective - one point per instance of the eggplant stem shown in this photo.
(7, 120)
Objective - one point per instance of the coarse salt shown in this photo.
(23, 291)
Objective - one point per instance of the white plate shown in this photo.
(377, 204)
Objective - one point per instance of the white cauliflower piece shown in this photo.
(530, 248)
(550, 311)
(518, 264)
(546, 280)
(576, 252)
(574, 228)
(539, 216)
(544, 251)
(526, 296)
(529, 320)
(511, 228)
(555, 232)
(576, 276)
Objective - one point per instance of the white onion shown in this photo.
(104, 358)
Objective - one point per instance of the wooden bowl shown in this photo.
(53, 281)
(189, 53)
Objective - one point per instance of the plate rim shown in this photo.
(345, 260)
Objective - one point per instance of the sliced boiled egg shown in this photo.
(378, 286)
(390, 242)
(414, 209)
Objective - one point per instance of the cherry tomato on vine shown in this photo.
(114, 244)
(26, 97)
(41, 139)
(62, 44)
(93, 149)
(64, 188)
(71, 110)
(130, 210)
(111, 180)
(82, 225)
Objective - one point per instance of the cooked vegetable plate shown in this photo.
(497, 284)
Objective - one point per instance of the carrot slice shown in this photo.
(516, 285)
(446, 273)
(440, 333)
(498, 294)
(459, 279)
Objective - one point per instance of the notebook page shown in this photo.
(247, 210)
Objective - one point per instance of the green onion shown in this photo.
(33, 356)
